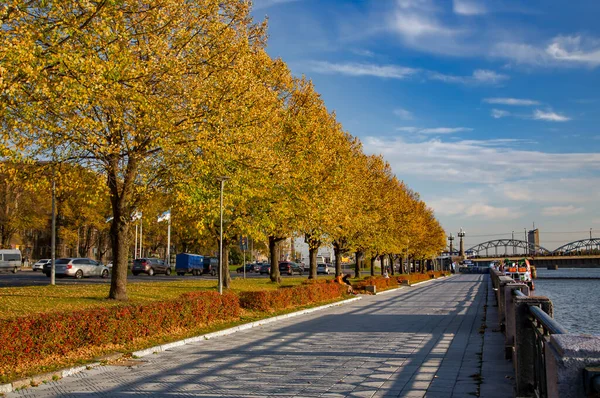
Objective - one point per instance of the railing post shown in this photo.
(502, 281)
(510, 322)
(570, 362)
(525, 352)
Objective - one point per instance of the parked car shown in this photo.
(323, 269)
(189, 263)
(249, 268)
(77, 267)
(39, 265)
(256, 267)
(265, 268)
(211, 265)
(288, 267)
(150, 266)
(10, 260)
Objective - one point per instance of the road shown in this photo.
(421, 341)
(27, 277)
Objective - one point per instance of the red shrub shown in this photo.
(30, 339)
(282, 298)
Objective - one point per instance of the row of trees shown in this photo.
(162, 98)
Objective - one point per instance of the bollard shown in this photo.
(510, 326)
(502, 281)
(572, 366)
(524, 355)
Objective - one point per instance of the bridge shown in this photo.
(508, 247)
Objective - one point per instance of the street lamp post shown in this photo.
(222, 180)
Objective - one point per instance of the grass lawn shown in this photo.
(19, 301)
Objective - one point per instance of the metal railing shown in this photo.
(543, 326)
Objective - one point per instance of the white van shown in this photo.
(10, 260)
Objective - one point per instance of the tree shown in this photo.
(123, 87)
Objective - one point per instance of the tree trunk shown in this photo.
(312, 262)
(274, 258)
(120, 199)
(381, 258)
(357, 256)
(338, 258)
(119, 233)
(391, 258)
(225, 274)
(373, 258)
(313, 249)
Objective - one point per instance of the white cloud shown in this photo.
(478, 161)
(575, 49)
(434, 130)
(551, 190)
(549, 116)
(462, 207)
(479, 76)
(468, 7)
(408, 129)
(499, 113)
(562, 210)
(444, 130)
(403, 113)
(511, 101)
(568, 51)
(362, 69)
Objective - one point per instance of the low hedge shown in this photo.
(39, 340)
(308, 293)
(380, 282)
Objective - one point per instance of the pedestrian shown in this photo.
(347, 282)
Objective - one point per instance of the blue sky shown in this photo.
(487, 108)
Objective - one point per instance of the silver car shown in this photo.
(39, 265)
(79, 267)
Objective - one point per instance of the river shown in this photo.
(576, 301)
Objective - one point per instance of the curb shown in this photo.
(414, 284)
(59, 374)
(195, 339)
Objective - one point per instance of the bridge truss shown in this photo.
(579, 245)
(507, 247)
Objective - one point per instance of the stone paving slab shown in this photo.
(420, 341)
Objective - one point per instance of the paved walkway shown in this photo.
(421, 341)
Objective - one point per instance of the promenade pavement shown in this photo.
(420, 341)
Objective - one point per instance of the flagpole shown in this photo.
(136, 240)
(141, 234)
(169, 239)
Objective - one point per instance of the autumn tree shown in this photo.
(122, 87)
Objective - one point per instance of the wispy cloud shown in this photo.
(562, 210)
(403, 113)
(511, 101)
(362, 52)
(499, 113)
(549, 116)
(567, 51)
(363, 69)
(479, 76)
(479, 209)
(433, 130)
(468, 7)
(445, 130)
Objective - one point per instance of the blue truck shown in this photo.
(186, 263)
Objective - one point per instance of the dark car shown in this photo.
(211, 265)
(249, 268)
(256, 267)
(150, 266)
(288, 267)
(265, 268)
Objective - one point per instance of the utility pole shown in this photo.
(221, 179)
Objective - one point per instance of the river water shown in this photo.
(576, 301)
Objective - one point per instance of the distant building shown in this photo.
(533, 237)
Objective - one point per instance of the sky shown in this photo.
(488, 108)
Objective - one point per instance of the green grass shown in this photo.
(20, 301)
